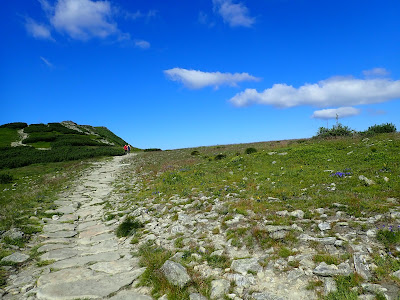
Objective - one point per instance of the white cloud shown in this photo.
(38, 31)
(49, 64)
(376, 72)
(142, 44)
(337, 91)
(195, 79)
(340, 112)
(84, 19)
(235, 14)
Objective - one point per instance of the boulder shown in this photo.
(175, 273)
(219, 288)
(246, 264)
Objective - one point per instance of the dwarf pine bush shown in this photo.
(336, 130)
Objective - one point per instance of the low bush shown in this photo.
(336, 130)
(383, 128)
(220, 156)
(250, 150)
(37, 128)
(40, 137)
(128, 227)
(152, 150)
(75, 140)
(6, 178)
(195, 152)
(15, 125)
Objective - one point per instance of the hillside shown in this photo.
(22, 144)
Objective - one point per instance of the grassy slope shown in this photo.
(302, 177)
(7, 136)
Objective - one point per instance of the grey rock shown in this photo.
(219, 288)
(273, 228)
(295, 274)
(196, 296)
(329, 285)
(326, 240)
(298, 214)
(323, 269)
(246, 264)
(113, 267)
(366, 180)
(82, 260)
(16, 258)
(58, 227)
(242, 280)
(59, 234)
(59, 254)
(373, 288)
(396, 274)
(361, 266)
(126, 294)
(97, 286)
(278, 235)
(267, 296)
(66, 210)
(324, 226)
(175, 273)
(13, 234)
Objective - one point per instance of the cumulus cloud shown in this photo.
(84, 19)
(337, 91)
(376, 72)
(142, 44)
(195, 79)
(38, 31)
(340, 112)
(235, 14)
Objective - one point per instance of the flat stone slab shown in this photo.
(50, 247)
(246, 264)
(16, 258)
(114, 267)
(66, 210)
(83, 260)
(94, 230)
(68, 217)
(124, 295)
(105, 246)
(83, 225)
(93, 287)
(96, 239)
(58, 227)
(59, 254)
(59, 234)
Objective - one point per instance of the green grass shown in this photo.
(7, 136)
(292, 178)
(128, 227)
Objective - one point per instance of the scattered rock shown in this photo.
(323, 269)
(246, 264)
(13, 234)
(175, 273)
(366, 180)
(219, 288)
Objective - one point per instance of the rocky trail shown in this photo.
(87, 260)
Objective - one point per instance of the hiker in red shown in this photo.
(126, 149)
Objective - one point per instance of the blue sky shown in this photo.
(175, 74)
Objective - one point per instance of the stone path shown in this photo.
(87, 260)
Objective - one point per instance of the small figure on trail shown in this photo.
(126, 149)
(129, 148)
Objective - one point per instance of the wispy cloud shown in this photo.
(376, 72)
(234, 14)
(38, 31)
(336, 92)
(204, 19)
(332, 113)
(142, 44)
(139, 15)
(47, 63)
(194, 79)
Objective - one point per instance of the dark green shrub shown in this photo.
(152, 149)
(128, 227)
(40, 137)
(15, 125)
(75, 140)
(6, 178)
(62, 129)
(110, 136)
(195, 152)
(37, 128)
(383, 128)
(250, 150)
(336, 130)
(220, 156)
